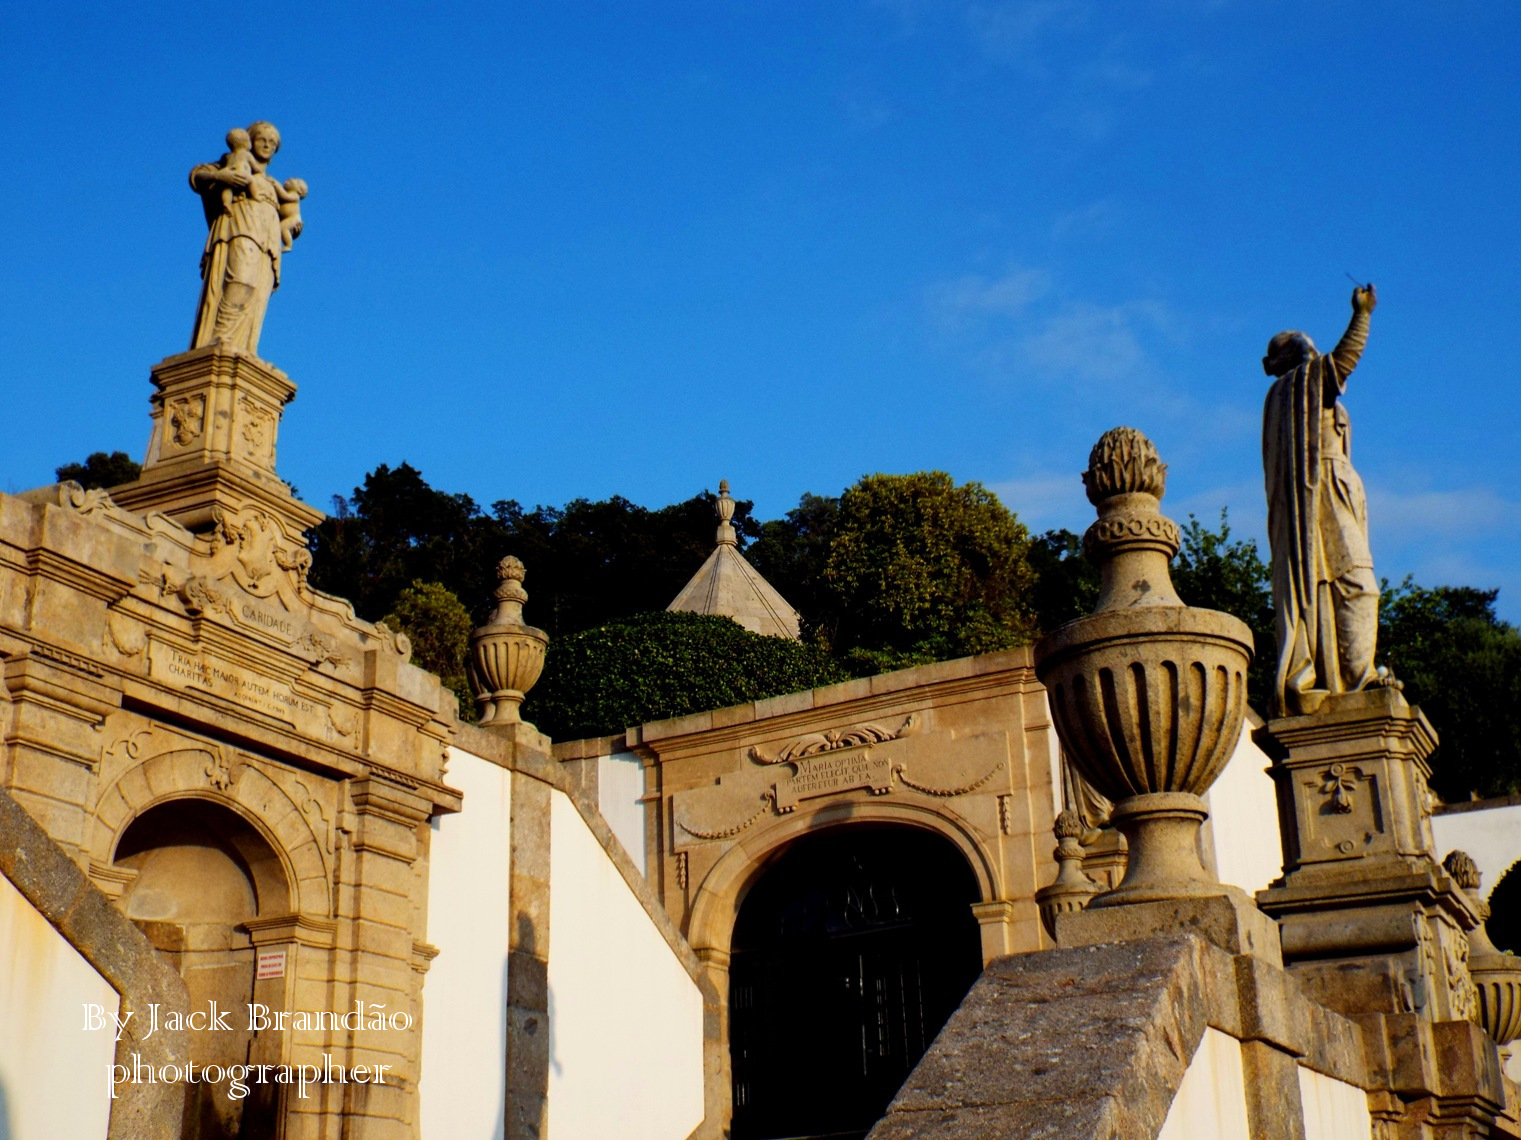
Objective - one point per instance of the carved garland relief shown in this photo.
(829, 763)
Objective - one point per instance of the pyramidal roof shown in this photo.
(726, 584)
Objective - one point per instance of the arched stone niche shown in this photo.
(195, 874)
(290, 828)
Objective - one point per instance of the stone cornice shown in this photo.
(860, 700)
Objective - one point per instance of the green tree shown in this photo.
(791, 554)
(920, 569)
(657, 665)
(439, 626)
(1066, 583)
(396, 529)
(1462, 665)
(588, 562)
(592, 562)
(1504, 925)
(101, 470)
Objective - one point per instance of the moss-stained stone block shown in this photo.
(1091, 1042)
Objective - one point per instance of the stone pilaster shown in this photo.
(1371, 922)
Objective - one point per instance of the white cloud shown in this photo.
(1093, 220)
(1467, 512)
(1088, 342)
(1007, 31)
(958, 303)
(1046, 500)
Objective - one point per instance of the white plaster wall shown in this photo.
(1211, 1101)
(1333, 1110)
(53, 1073)
(1243, 823)
(1491, 835)
(464, 1047)
(620, 785)
(625, 1018)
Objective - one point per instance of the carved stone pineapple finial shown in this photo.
(506, 654)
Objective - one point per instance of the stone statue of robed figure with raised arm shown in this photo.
(1324, 590)
(251, 220)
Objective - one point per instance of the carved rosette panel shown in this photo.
(1463, 1000)
(1342, 808)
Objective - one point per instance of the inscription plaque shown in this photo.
(207, 674)
(832, 772)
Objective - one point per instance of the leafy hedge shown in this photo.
(658, 665)
(1504, 925)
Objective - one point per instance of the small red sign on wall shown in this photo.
(271, 964)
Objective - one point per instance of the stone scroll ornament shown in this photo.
(1324, 591)
(251, 220)
(1148, 694)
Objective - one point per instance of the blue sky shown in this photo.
(566, 249)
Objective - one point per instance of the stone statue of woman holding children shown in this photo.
(252, 220)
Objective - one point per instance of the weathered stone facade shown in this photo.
(964, 749)
(240, 762)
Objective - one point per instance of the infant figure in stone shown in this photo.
(238, 157)
(1324, 590)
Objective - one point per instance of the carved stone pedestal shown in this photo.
(216, 414)
(1370, 919)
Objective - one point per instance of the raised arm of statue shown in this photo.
(1349, 350)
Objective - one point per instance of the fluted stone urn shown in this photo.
(1496, 973)
(1147, 694)
(506, 655)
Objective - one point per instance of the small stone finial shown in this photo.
(1124, 461)
(1462, 868)
(1068, 825)
(724, 506)
(1072, 889)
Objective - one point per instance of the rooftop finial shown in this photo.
(725, 508)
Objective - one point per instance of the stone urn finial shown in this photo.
(1496, 973)
(1072, 888)
(725, 509)
(507, 655)
(1148, 695)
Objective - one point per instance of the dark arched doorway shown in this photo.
(848, 955)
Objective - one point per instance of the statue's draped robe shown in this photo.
(243, 245)
(1324, 591)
